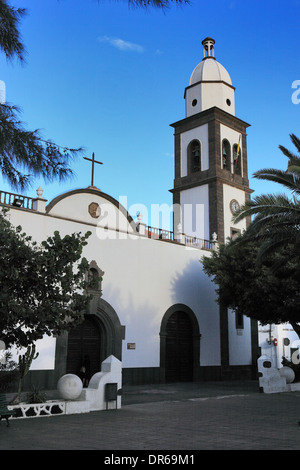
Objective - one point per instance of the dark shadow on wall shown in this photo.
(192, 286)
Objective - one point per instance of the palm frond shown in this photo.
(268, 204)
(294, 160)
(275, 220)
(287, 152)
(293, 168)
(290, 180)
(296, 142)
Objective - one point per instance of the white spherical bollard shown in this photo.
(69, 387)
(287, 373)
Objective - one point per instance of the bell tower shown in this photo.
(211, 178)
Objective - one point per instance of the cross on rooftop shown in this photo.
(93, 164)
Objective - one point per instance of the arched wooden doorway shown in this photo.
(84, 340)
(179, 348)
(180, 344)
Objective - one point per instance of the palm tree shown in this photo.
(276, 216)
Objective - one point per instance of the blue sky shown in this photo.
(112, 78)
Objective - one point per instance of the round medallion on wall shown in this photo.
(234, 206)
(94, 210)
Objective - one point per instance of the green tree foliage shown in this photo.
(276, 221)
(10, 39)
(42, 286)
(256, 290)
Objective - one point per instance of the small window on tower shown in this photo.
(226, 157)
(194, 156)
(234, 233)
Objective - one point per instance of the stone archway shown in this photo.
(113, 331)
(98, 336)
(179, 345)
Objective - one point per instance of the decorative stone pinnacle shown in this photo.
(39, 192)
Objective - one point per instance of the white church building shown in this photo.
(155, 309)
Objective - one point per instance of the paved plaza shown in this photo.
(173, 417)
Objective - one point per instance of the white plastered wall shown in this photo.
(75, 207)
(195, 212)
(217, 94)
(209, 95)
(142, 279)
(239, 341)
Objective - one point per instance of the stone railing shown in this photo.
(16, 200)
(159, 234)
(198, 243)
(181, 238)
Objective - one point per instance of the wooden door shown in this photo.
(179, 348)
(84, 340)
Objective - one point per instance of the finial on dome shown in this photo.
(208, 48)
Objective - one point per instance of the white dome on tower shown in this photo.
(210, 84)
(210, 71)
